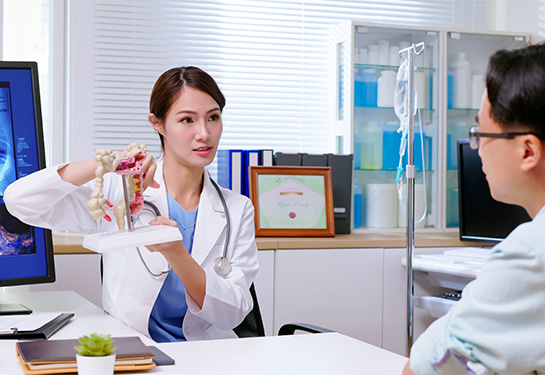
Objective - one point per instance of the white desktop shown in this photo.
(324, 353)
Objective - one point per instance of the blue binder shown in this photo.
(230, 169)
(249, 158)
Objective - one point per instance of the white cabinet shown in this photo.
(340, 289)
(367, 123)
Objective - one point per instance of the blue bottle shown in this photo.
(369, 88)
(358, 205)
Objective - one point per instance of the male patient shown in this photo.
(498, 327)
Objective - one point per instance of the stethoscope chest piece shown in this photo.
(222, 266)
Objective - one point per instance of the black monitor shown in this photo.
(26, 252)
(482, 219)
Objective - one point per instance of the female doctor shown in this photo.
(169, 291)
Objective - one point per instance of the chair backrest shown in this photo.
(290, 328)
(252, 325)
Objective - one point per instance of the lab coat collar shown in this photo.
(210, 222)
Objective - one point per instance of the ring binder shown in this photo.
(8, 331)
(44, 332)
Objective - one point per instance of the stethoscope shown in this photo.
(222, 265)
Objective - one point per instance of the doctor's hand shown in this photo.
(148, 172)
(407, 370)
(190, 273)
(166, 248)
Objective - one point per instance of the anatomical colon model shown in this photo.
(130, 165)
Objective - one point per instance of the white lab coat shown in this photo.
(129, 290)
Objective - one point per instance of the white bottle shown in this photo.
(404, 44)
(373, 54)
(421, 87)
(394, 56)
(461, 69)
(477, 89)
(385, 88)
(383, 52)
(363, 56)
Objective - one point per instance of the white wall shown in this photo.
(518, 15)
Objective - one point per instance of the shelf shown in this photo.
(390, 108)
(462, 109)
(389, 170)
(391, 67)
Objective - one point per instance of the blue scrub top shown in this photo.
(167, 315)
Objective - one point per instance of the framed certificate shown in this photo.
(292, 201)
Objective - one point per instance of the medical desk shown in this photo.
(325, 353)
(351, 283)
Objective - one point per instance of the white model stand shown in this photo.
(130, 237)
(141, 236)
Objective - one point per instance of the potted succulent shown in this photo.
(95, 355)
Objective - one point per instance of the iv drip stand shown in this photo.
(410, 170)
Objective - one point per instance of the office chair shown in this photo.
(252, 325)
(290, 328)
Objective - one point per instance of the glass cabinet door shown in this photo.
(467, 57)
(375, 137)
(449, 82)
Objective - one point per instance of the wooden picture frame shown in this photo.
(292, 201)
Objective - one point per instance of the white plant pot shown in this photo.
(95, 365)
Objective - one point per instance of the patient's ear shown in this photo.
(156, 123)
(532, 152)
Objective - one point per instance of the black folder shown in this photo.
(44, 332)
(314, 160)
(341, 176)
(288, 159)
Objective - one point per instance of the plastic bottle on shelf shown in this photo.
(404, 44)
(390, 144)
(421, 89)
(477, 89)
(371, 145)
(369, 88)
(358, 88)
(450, 88)
(461, 69)
(383, 52)
(385, 88)
(358, 205)
(363, 56)
(357, 152)
(394, 59)
(373, 54)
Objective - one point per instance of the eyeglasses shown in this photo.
(475, 136)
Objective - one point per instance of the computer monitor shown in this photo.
(482, 219)
(26, 252)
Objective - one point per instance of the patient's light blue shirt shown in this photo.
(497, 326)
(167, 315)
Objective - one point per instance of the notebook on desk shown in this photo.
(59, 356)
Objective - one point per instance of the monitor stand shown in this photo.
(14, 309)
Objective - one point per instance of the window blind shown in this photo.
(270, 58)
